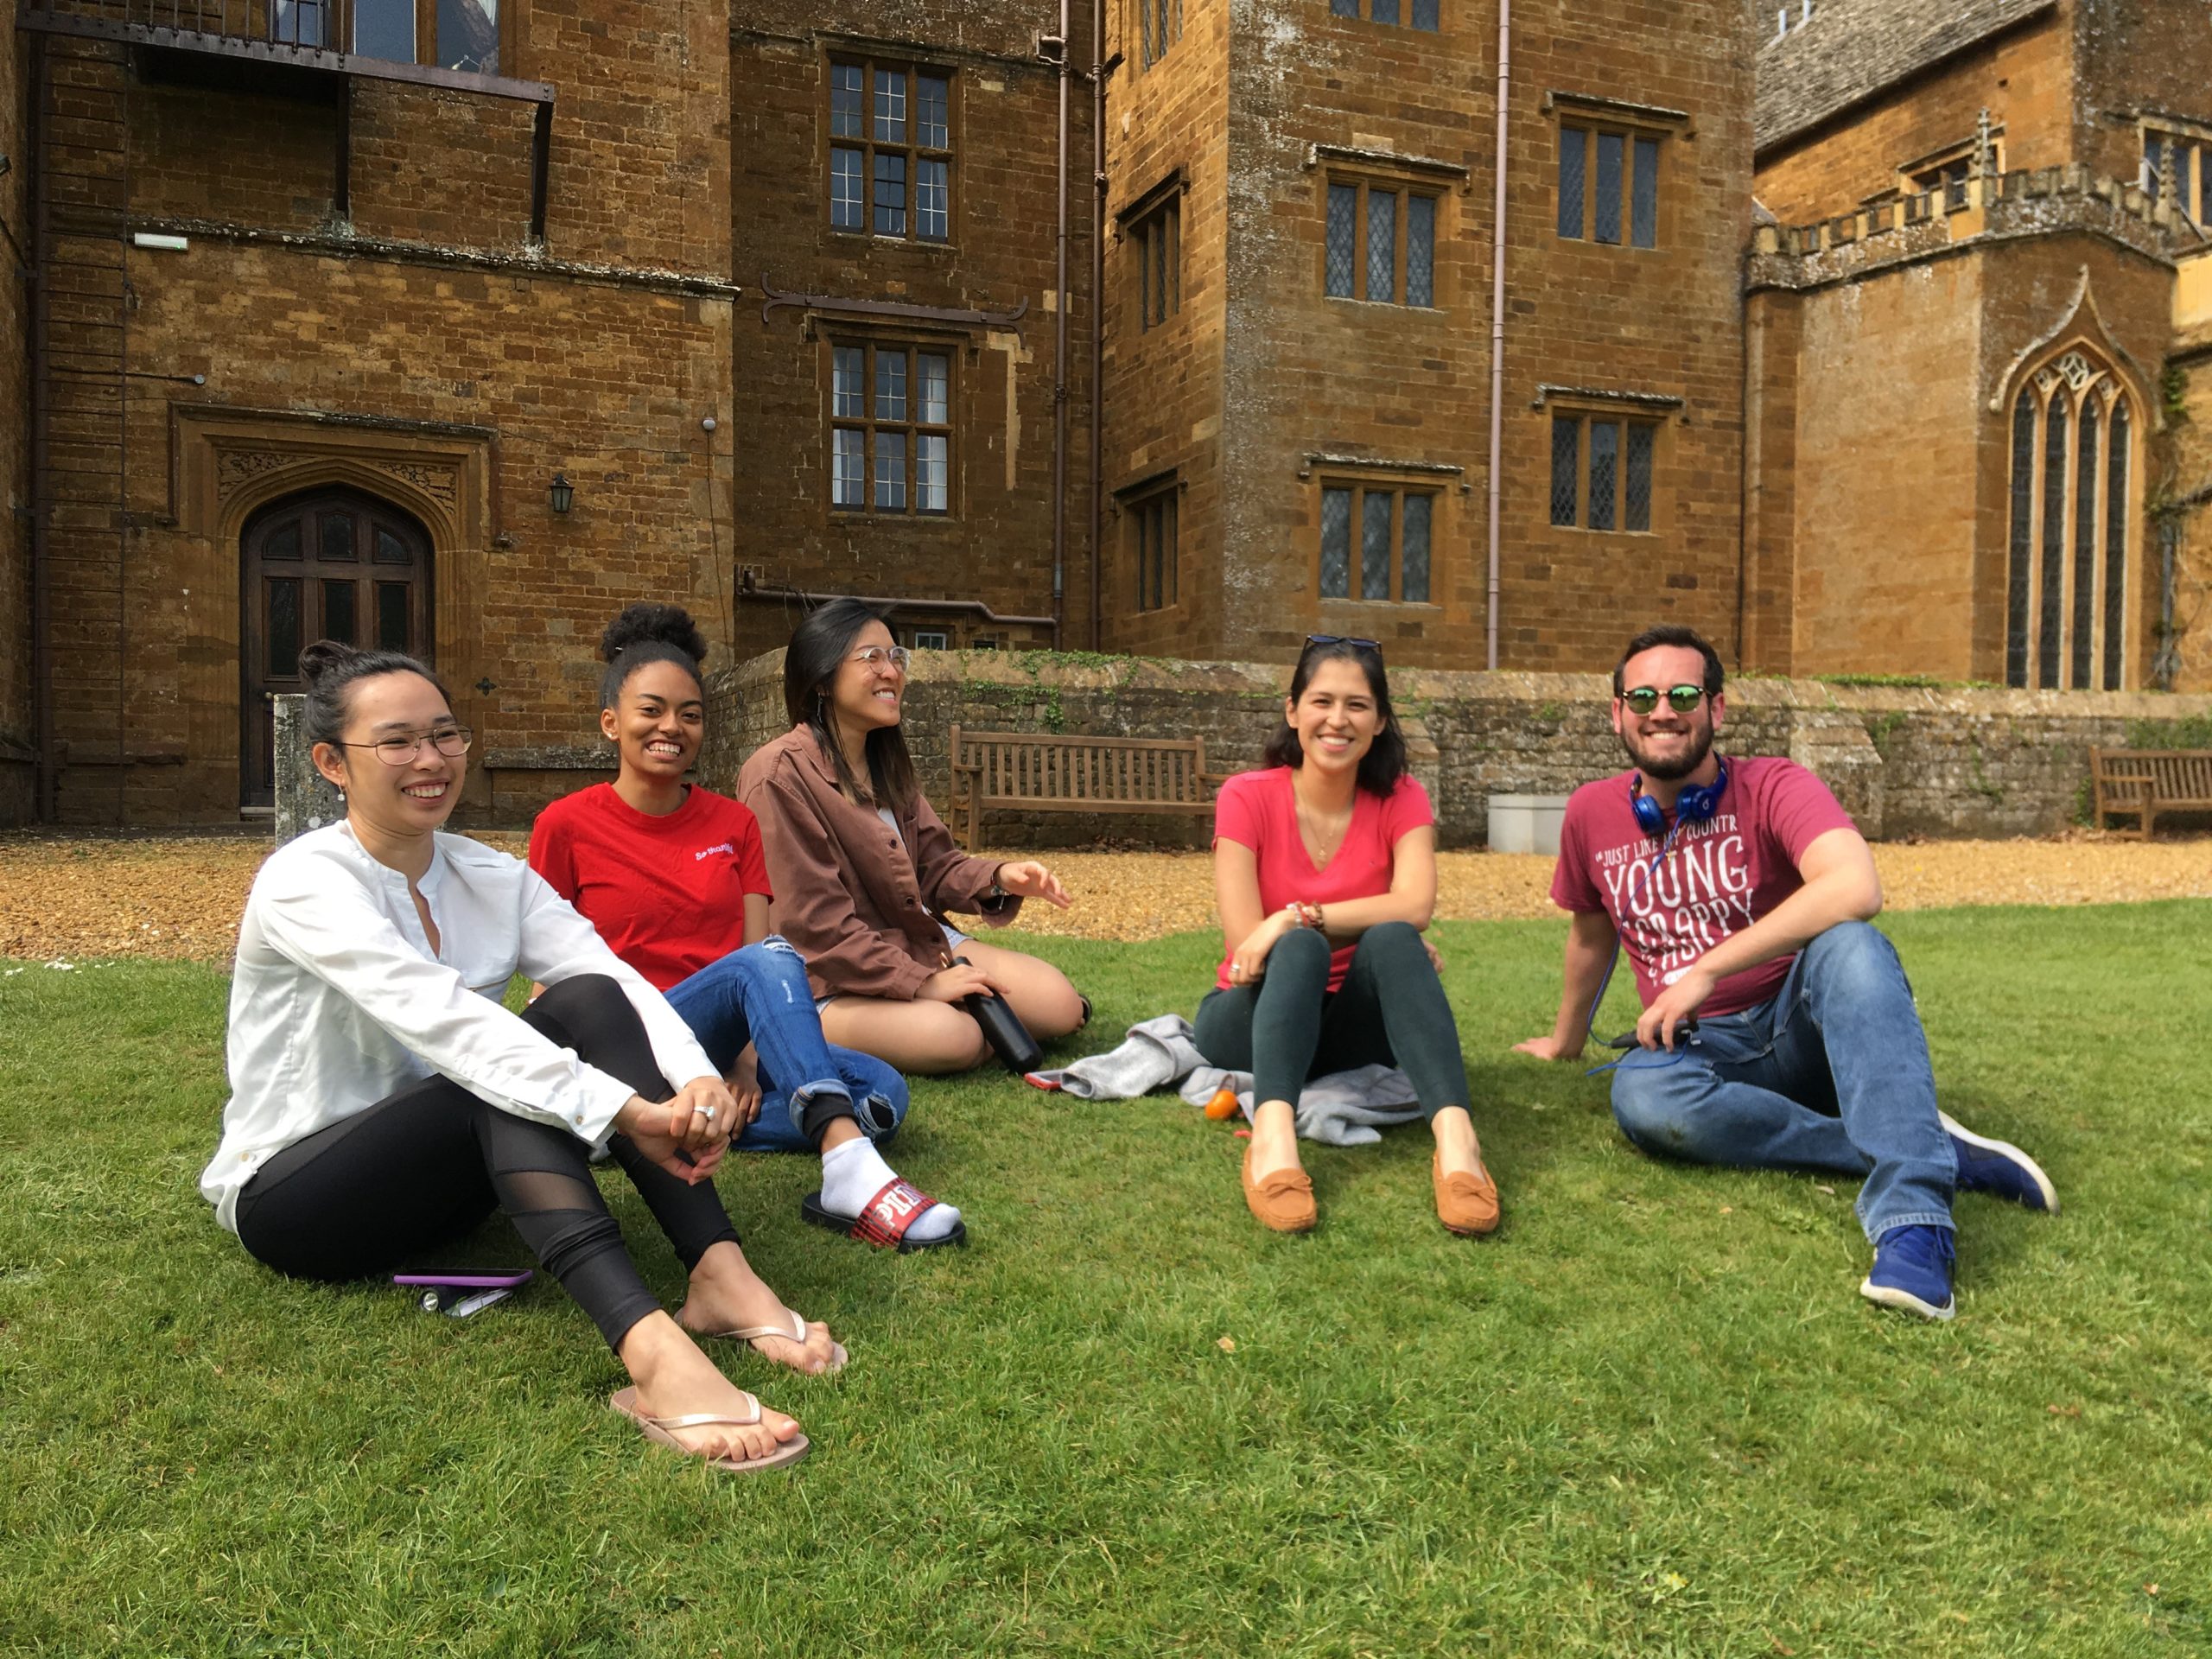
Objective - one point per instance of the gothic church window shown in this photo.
(1608, 186)
(891, 149)
(2066, 555)
(890, 429)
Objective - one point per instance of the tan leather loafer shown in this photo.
(1466, 1204)
(1283, 1200)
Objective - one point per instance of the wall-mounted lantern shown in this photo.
(561, 495)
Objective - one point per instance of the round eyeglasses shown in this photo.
(398, 750)
(876, 656)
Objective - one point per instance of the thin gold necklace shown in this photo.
(1319, 846)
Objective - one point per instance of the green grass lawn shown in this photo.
(1651, 1416)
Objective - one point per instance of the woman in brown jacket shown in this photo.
(865, 871)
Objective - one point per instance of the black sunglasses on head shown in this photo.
(1375, 645)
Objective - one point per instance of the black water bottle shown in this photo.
(1002, 1029)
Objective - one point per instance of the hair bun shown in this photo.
(647, 622)
(325, 656)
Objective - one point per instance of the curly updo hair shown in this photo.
(331, 668)
(644, 633)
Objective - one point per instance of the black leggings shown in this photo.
(1390, 1011)
(427, 1163)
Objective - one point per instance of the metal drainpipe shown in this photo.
(1497, 318)
(1097, 312)
(47, 784)
(1060, 360)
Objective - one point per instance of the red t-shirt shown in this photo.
(668, 893)
(1718, 876)
(1256, 809)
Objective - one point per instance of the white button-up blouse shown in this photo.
(338, 999)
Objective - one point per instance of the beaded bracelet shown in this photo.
(1302, 914)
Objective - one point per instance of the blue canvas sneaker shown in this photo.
(1999, 1168)
(1912, 1270)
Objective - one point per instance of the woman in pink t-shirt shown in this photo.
(1324, 869)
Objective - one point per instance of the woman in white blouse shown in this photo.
(384, 1101)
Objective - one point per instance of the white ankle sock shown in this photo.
(855, 1172)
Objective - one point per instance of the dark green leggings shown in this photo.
(1390, 1011)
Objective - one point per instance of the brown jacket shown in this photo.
(854, 898)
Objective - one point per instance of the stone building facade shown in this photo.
(1976, 343)
(1297, 387)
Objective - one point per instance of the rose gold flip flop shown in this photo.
(797, 1333)
(657, 1430)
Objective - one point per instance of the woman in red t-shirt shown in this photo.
(672, 876)
(1324, 869)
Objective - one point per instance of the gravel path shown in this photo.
(86, 897)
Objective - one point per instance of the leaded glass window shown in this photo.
(2049, 615)
(1606, 211)
(1390, 559)
(1573, 161)
(2085, 545)
(1344, 239)
(1605, 460)
(1421, 249)
(1376, 520)
(1635, 491)
(1566, 468)
(890, 158)
(1603, 172)
(890, 437)
(1620, 488)
(1336, 544)
(1157, 240)
(1159, 25)
(1425, 15)
(1413, 558)
(1422, 14)
(2019, 568)
(1152, 537)
(1643, 206)
(1381, 245)
(2116, 548)
(1382, 11)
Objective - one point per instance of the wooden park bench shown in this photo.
(2147, 782)
(1041, 771)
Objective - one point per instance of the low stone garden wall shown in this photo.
(1905, 760)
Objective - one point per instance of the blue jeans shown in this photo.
(1831, 1074)
(759, 995)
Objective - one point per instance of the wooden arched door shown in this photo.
(336, 564)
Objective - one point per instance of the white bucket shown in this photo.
(1526, 823)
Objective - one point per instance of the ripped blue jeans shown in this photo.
(1832, 1073)
(758, 995)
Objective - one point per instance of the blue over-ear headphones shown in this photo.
(1692, 806)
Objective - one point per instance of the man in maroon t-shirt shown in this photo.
(1777, 1031)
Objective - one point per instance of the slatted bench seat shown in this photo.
(1041, 771)
(2147, 782)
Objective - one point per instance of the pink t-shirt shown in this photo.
(1254, 810)
(1718, 876)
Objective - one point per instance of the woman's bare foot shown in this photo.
(675, 1379)
(1458, 1152)
(726, 1295)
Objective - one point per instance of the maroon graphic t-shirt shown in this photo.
(1718, 877)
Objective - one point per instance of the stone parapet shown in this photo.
(2030, 202)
